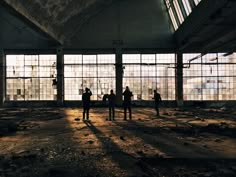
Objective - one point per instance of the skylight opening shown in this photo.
(179, 10)
(187, 7)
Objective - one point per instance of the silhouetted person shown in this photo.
(86, 102)
(157, 99)
(111, 104)
(127, 102)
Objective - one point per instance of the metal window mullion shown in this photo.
(167, 4)
(167, 83)
(4, 68)
(140, 75)
(182, 8)
(171, 16)
(187, 6)
(141, 80)
(156, 70)
(192, 4)
(97, 74)
(175, 14)
(24, 78)
(82, 72)
(178, 11)
(217, 66)
(201, 79)
(39, 77)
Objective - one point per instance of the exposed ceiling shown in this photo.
(16, 33)
(99, 23)
(210, 28)
(59, 18)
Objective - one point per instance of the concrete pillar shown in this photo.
(119, 76)
(60, 77)
(179, 80)
(2, 77)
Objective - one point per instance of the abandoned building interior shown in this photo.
(51, 51)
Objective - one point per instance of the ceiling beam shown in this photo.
(33, 25)
(197, 21)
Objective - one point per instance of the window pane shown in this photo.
(131, 58)
(33, 77)
(106, 59)
(72, 59)
(89, 59)
(212, 79)
(96, 72)
(153, 72)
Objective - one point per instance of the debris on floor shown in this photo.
(180, 142)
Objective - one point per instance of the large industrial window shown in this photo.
(96, 72)
(147, 72)
(30, 77)
(179, 10)
(210, 77)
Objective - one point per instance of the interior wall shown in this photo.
(135, 23)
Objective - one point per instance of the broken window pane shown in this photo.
(211, 78)
(29, 77)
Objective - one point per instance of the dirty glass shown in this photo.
(144, 73)
(30, 77)
(211, 77)
(96, 72)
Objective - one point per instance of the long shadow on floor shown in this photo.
(166, 142)
(220, 129)
(124, 160)
(184, 127)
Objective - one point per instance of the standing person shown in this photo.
(157, 99)
(86, 102)
(111, 104)
(127, 102)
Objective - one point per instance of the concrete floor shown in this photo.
(56, 142)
